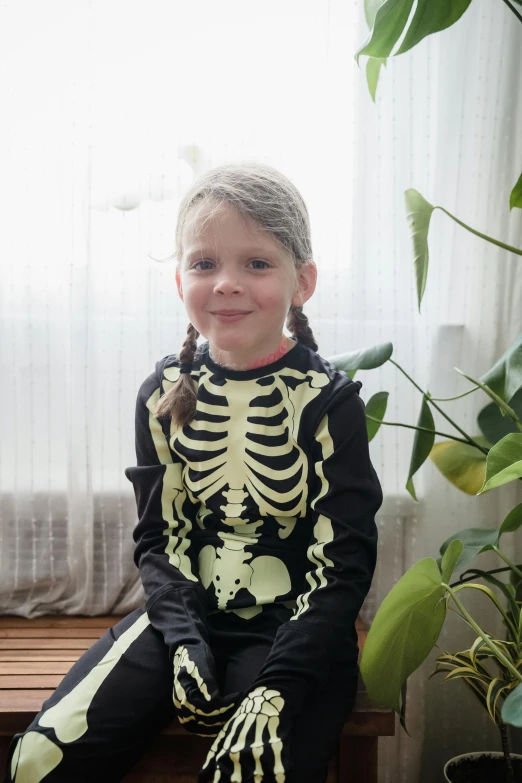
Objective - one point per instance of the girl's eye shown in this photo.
(202, 261)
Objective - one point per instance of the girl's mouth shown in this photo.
(227, 318)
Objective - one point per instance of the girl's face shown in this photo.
(237, 283)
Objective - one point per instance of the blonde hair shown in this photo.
(266, 196)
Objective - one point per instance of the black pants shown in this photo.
(118, 697)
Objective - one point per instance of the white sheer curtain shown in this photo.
(110, 111)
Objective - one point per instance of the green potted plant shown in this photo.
(408, 622)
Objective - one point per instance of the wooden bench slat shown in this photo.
(39, 655)
(26, 702)
(35, 667)
(36, 654)
(21, 681)
(52, 621)
(46, 644)
(51, 633)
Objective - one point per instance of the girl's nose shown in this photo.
(228, 284)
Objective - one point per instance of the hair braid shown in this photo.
(297, 324)
(180, 401)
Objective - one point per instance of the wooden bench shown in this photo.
(36, 654)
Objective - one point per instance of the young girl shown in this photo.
(256, 539)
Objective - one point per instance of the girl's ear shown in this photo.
(305, 284)
(178, 284)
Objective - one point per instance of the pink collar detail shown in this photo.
(273, 357)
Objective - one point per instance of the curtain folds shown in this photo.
(113, 110)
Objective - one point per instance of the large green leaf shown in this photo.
(388, 26)
(512, 708)
(475, 540)
(464, 466)
(388, 21)
(504, 462)
(505, 377)
(422, 444)
(512, 522)
(375, 407)
(370, 10)
(431, 17)
(450, 558)
(419, 212)
(365, 359)
(515, 199)
(494, 425)
(403, 632)
(373, 69)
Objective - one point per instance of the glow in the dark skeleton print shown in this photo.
(246, 469)
(256, 544)
(242, 479)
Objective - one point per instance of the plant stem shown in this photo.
(468, 439)
(505, 750)
(496, 242)
(420, 429)
(508, 562)
(449, 399)
(474, 575)
(517, 14)
(490, 643)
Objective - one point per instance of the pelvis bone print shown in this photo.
(229, 570)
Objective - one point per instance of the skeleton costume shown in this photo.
(256, 544)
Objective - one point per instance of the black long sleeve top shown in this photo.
(267, 496)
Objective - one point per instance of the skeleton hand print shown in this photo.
(251, 746)
(199, 706)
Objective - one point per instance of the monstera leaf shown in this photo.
(375, 409)
(405, 629)
(512, 708)
(373, 69)
(419, 212)
(464, 466)
(515, 199)
(504, 462)
(422, 444)
(505, 377)
(494, 425)
(365, 359)
(392, 17)
(476, 540)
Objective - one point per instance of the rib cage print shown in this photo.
(242, 459)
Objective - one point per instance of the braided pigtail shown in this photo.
(180, 401)
(298, 326)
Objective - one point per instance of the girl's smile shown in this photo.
(230, 316)
(237, 283)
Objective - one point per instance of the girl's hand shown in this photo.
(199, 705)
(252, 745)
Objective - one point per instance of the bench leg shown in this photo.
(4, 750)
(357, 760)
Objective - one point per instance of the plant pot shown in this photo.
(481, 767)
